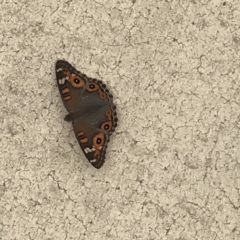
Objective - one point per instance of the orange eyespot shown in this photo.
(109, 113)
(102, 95)
(107, 126)
(76, 81)
(92, 87)
(98, 141)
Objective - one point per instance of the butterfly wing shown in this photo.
(71, 84)
(92, 141)
(94, 129)
(91, 111)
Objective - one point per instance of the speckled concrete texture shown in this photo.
(172, 169)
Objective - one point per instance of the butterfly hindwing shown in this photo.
(93, 142)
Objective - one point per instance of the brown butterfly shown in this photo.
(91, 110)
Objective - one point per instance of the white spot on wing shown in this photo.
(63, 80)
(59, 69)
(87, 150)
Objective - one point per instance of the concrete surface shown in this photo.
(173, 164)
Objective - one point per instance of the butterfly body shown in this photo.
(91, 110)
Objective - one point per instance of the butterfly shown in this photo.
(91, 110)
